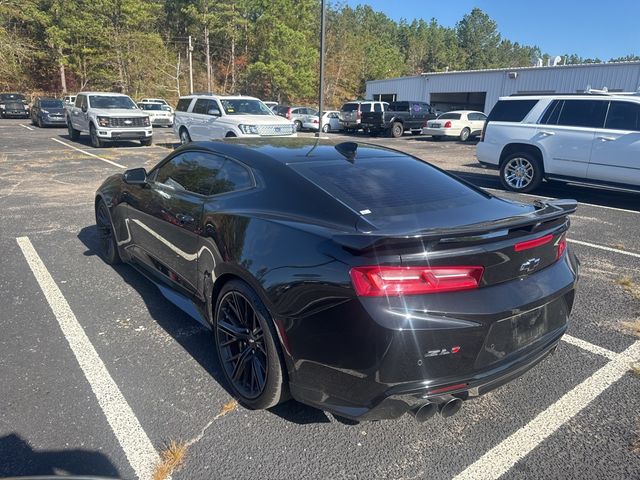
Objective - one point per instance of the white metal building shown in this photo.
(480, 89)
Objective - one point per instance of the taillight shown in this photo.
(359, 114)
(393, 281)
(536, 242)
(288, 115)
(447, 125)
(315, 120)
(561, 246)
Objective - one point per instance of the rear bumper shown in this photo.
(394, 357)
(16, 113)
(442, 132)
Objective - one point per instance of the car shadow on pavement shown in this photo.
(199, 342)
(604, 198)
(18, 458)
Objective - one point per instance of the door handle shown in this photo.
(183, 218)
(606, 139)
(547, 133)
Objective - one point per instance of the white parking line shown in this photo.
(501, 458)
(24, 126)
(134, 441)
(590, 347)
(579, 203)
(88, 153)
(602, 247)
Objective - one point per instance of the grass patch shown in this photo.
(630, 286)
(632, 327)
(171, 459)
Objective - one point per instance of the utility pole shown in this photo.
(321, 82)
(190, 66)
(206, 44)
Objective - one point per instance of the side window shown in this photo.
(201, 106)
(511, 110)
(377, 107)
(232, 177)
(623, 116)
(551, 114)
(192, 171)
(81, 100)
(183, 104)
(583, 113)
(365, 107)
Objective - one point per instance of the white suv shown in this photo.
(591, 139)
(207, 117)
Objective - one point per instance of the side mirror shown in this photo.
(214, 112)
(84, 108)
(135, 176)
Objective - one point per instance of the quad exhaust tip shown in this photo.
(446, 409)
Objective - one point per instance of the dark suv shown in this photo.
(13, 105)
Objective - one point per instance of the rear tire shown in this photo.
(184, 136)
(464, 134)
(297, 125)
(521, 172)
(246, 343)
(325, 128)
(106, 235)
(95, 140)
(397, 129)
(73, 133)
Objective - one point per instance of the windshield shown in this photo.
(150, 106)
(243, 106)
(12, 96)
(51, 104)
(101, 101)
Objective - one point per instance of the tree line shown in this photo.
(266, 48)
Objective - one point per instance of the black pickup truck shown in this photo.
(398, 118)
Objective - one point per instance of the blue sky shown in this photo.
(589, 28)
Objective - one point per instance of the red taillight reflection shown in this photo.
(394, 281)
(288, 115)
(562, 246)
(447, 125)
(536, 242)
(457, 386)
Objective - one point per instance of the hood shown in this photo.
(54, 110)
(119, 112)
(258, 119)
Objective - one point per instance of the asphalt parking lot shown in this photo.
(99, 373)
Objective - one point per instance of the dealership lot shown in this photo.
(100, 372)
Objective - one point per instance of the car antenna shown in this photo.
(348, 150)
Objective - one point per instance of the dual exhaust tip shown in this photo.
(446, 409)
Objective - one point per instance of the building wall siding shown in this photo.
(496, 83)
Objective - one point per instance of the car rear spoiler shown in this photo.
(545, 211)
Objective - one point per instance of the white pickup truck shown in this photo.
(108, 117)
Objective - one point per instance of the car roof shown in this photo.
(560, 96)
(110, 94)
(288, 150)
(219, 97)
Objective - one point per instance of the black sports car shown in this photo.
(355, 278)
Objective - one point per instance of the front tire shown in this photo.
(297, 125)
(106, 235)
(95, 140)
(325, 128)
(521, 172)
(247, 350)
(73, 133)
(146, 142)
(40, 124)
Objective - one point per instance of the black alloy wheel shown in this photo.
(246, 348)
(95, 140)
(106, 236)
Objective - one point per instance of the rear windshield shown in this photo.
(449, 116)
(350, 107)
(388, 186)
(511, 110)
(151, 106)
